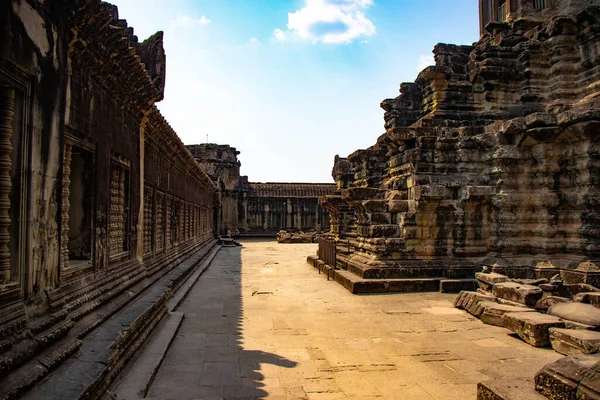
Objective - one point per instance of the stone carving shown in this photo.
(116, 222)
(160, 222)
(488, 158)
(148, 219)
(53, 248)
(101, 240)
(7, 110)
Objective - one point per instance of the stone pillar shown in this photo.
(289, 214)
(7, 111)
(266, 220)
(66, 206)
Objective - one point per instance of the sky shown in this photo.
(292, 83)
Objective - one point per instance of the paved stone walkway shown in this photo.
(261, 323)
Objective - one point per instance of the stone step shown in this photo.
(457, 285)
(357, 285)
(508, 389)
(108, 346)
(136, 381)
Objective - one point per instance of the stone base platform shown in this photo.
(357, 284)
(106, 348)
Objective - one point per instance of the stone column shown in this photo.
(289, 214)
(7, 111)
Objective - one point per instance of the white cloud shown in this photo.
(185, 21)
(425, 61)
(279, 34)
(254, 40)
(331, 21)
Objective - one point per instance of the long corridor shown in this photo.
(261, 323)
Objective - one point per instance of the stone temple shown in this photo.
(485, 183)
(489, 158)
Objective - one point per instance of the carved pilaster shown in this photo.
(7, 111)
(66, 205)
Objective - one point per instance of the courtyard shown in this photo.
(261, 323)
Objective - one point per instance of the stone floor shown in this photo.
(261, 323)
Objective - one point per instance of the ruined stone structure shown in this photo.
(489, 158)
(260, 208)
(98, 195)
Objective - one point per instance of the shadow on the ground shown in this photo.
(207, 358)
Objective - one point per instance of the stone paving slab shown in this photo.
(260, 324)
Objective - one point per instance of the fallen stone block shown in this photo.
(508, 389)
(487, 280)
(578, 312)
(491, 313)
(589, 386)
(467, 300)
(524, 294)
(532, 327)
(588, 298)
(571, 342)
(532, 282)
(545, 302)
(560, 380)
(578, 325)
(577, 288)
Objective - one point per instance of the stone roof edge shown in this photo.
(163, 128)
(96, 18)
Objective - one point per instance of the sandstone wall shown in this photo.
(97, 193)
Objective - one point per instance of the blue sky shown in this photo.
(292, 83)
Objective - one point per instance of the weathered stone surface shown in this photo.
(571, 342)
(544, 303)
(491, 313)
(297, 237)
(532, 327)
(508, 389)
(578, 312)
(524, 294)
(588, 298)
(488, 280)
(560, 380)
(469, 301)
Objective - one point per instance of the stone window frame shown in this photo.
(18, 286)
(160, 210)
(124, 163)
(72, 138)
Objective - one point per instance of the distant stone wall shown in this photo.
(260, 208)
(286, 206)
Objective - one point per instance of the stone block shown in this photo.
(577, 312)
(524, 294)
(508, 389)
(588, 298)
(488, 280)
(545, 302)
(589, 386)
(491, 313)
(468, 300)
(456, 285)
(560, 380)
(571, 342)
(532, 327)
